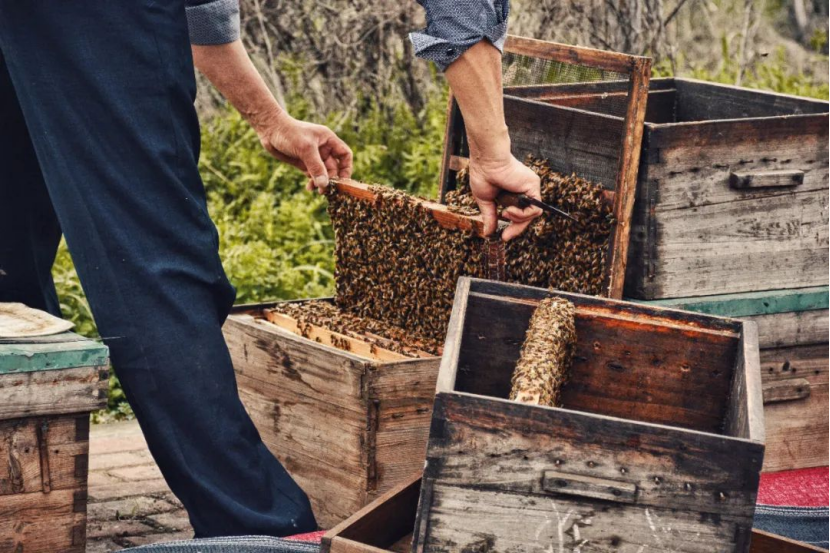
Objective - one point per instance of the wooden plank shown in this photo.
(808, 362)
(745, 304)
(440, 212)
(742, 180)
(796, 432)
(701, 100)
(678, 375)
(575, 55)
(61, 351)
(51, 392)
(65, 454)
(793, 329)
(334, 339)
(380, 524)
(725, 248)
(745, 407)
(490, 446)
(43, 522)
(447, 372)
(626, 185)
(765, 542)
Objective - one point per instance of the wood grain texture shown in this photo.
(487, 456)
(566, 53)
(346, 428)
(43, 522)
(764, 542)
(695, 235)
(76, 390)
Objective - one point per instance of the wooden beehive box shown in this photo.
(659, 444)
(347, 425)
(792, 335)
(600, 148)
(385, 526)
(48, 387)
(732, 187)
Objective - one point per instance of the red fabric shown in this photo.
(796, 488)
(313, 537)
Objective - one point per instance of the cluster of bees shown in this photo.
(396, 263)
(546, 354)
(325, 314)
(555, 252)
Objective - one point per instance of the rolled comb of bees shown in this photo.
(555, 252)
(546, 355)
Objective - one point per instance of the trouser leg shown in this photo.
(29, 230)
(107, 89)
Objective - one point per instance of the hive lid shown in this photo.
(59, 351)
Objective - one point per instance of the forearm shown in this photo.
(475, 80)
(233, 74)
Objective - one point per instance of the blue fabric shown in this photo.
(246, 544)
(453, 26)
(100, 139)
(213, 21)
(805, 524)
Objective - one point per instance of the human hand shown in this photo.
(488, 177)
(313, 149)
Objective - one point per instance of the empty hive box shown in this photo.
(48, 387)
(659, 443)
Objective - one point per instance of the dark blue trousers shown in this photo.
(99, 140)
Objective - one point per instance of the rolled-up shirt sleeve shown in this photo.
(453, 26)
(212, 21)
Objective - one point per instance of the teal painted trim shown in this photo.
(62, 351)
(752, 303)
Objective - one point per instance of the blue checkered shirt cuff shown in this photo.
(453, 26)
(212, 21)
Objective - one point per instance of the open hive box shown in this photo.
(659, 443)
(732, 187)
(591, 149)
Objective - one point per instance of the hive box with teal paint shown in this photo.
(48, 387)
(792, 334)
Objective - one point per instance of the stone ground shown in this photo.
(129, 502)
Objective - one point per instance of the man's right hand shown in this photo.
(491, 176)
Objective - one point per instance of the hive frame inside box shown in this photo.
(385, 526)
(744, 171)
(668, 429)
(546, 132)
(346, 425)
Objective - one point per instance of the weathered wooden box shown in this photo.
(792, 335)
(347, 426)
(48, 387)
(385, 526)
(732, 189)
(659, 444)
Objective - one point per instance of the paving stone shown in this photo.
(118, 459)
(141, 472)
(159, 537)
(119, 490)
(131, 507)
(175, 520)
(102, 546)
(116, 528)
(101, 478)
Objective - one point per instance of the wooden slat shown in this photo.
(43, 522)
(808, 362)
(765, 542)
(576, 55)
(44, 353)
(52, 392)
(745, 304)
(747, 180)
(786, 390)
(490, 454)
(378, 525)
(440, 212)
(798, 328)
(745, 407)
(334, 339)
